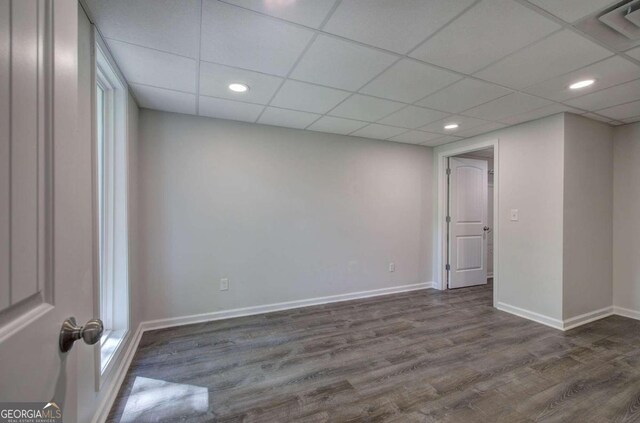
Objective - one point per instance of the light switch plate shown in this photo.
(224, 284)
(514, 215)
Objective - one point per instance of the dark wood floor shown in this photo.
(424, 356)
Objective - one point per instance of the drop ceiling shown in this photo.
(397, 70)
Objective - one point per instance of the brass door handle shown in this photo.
(71, 332)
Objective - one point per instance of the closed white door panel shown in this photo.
(468, 201)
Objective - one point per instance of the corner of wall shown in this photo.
(626, 208)
(587, 203)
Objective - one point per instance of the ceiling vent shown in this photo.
(633, 15)
(624, 19)
(617, 26)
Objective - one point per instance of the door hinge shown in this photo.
(448, 171)
(447, 267)
(448, 219)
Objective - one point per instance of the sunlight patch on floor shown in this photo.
(158, 400)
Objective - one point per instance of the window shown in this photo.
(111, 205)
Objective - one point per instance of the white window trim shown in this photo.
(105, 271)
(117, 318)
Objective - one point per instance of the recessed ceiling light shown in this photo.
(451, 126)
(581, 84)
(238, 88)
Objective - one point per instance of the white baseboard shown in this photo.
(589, 317)
(105, 407)
(269, 308)
(626, 312)
(119, 373)
(566, 324)
(531, 315)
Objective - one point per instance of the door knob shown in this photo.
(71, 332)
(486, 229)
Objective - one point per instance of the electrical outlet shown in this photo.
(224, 284)
(392, 267)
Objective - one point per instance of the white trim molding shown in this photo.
(626, 312)
(531, 315)
(585, 318)
(270, 308)
(121, 370)
(566, 324)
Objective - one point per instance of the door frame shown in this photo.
(466, 278)
(442, 153)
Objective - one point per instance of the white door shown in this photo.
(45, 203)
(468, 228)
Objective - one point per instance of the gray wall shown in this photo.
(284, 214)
(530, 250)
(135, 316)
(588, 214)
(626, 209)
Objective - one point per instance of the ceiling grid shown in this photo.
(383, 76)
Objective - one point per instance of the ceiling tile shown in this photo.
(482, 129)
(228, 109)
(634, 52)
(152, 67)
(415, 137)
(561, 52)
(341, 64)
(362, 107)
(381, 132)
(506, 106)
(632, 119)
(597, 117)
(608, 97)
(440, 141)
(485, 33)
(160, 24)
(309, 98)
(572, 10)
(464, 95)
(236, 37)
(622, 111)
(539, 113)
(413, 117)
(336, 125)
(304, 12)
(165, 100)
(396, 26)
(464, 123)
(409, 81)
(215, 80)
(612, 71)
(287, 118)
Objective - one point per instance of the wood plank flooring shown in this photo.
(423, 356)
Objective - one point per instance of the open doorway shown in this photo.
(487, 151)
(469, 221)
